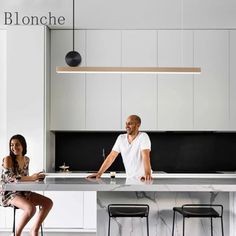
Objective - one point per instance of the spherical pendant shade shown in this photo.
(73, 58)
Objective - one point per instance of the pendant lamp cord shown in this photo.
(73, 25)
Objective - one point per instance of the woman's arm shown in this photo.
(10, 176)
(34, 177)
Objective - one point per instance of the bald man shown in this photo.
(135, 147)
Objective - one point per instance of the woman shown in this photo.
(16, 168)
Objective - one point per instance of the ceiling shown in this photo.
(130, 14)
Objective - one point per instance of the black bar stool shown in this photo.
(199, 211)
(128, 210)
(14, 222)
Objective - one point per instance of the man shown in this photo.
(135, 150)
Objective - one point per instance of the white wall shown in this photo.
(132, 14)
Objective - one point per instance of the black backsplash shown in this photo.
(187, 151)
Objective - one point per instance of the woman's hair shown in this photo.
(22, 141)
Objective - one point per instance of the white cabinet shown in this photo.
(232, 91)
(103, 91)
(103, 102)
(90, 210)
(139, 92)
(25, 89)
(72, 210)
(67, 211)
(211, 88)
(67, 90)
(164, 102)
(175, 92)
(2, 218)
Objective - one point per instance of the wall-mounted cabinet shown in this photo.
(67, 90)
(103, 102)
(139, 92)
(164, 102)
(232, 82)
(211, 88)
(175, 92)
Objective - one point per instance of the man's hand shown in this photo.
(146, 177)
(94, 175)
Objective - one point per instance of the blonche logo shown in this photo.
(15, 18)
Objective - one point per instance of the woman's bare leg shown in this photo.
(28, 208)
(45, 206)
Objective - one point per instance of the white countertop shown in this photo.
(158, 174)
(162, 184)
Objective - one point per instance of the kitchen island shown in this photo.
(162, 194)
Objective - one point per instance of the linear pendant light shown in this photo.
(129, 70)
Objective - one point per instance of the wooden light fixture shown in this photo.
(129, 70)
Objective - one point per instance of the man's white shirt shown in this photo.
(131, 153)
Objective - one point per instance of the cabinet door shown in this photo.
(67, 211)
(232, 50)
(139, 92)
(103, 91)
(26, 89)
(211, 87)
(175, 92)
(67, 90)
(2, 218)
(90, 210)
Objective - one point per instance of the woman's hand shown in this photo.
(38, 176)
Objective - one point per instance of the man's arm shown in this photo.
(105, 165)
(147, 165)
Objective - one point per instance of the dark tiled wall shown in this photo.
(171, 151)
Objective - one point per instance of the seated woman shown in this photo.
(16, 168)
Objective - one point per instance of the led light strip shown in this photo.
(130, 70)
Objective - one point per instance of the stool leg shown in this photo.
(41, 229)
(173, 226)
(109, 226)
(211, 227)
(222, 228)
(14, 221)
(147, 227)
(183, 224)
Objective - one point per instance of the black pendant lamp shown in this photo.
(73, 58)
